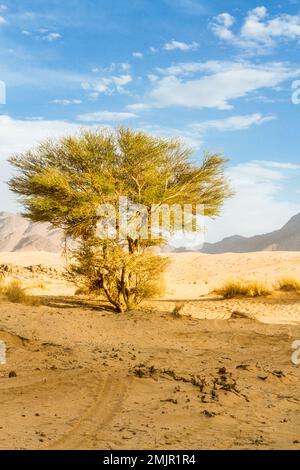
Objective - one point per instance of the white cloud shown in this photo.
(2, 20)
(99, 86)
(29, 133)
(43, 35)
(152, 77)
(94, 95)
(125, 66)
(194, 134)
(258, 206)
(107, 85)
(115, 67)
(233, 123)
(66, 102)
(217, 89)
(51, 37)
(136, 107)
(188, 136)
(278, 165)
(138, 55)
(122, 80)
(222, 25)
(105, 116)
(189, 68)
(181, 46)
(258, 31)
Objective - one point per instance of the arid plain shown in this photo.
(218, 375)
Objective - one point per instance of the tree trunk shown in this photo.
(118, 305)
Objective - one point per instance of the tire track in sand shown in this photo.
(88, 431)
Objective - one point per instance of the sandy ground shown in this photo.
(78, 376)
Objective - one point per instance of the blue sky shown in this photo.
(217, 73)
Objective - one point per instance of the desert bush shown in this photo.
(125, 278)
(289, 284)
(14, 292)
(238, 288)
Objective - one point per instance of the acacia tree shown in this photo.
(65, 181)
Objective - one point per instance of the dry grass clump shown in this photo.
(15, 293)
(289, 284)
(233, 289)
(176, 312)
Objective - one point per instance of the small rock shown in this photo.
(208, 414)
(278, 373)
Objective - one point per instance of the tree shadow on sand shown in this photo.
(65, 302)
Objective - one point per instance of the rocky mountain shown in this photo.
(19, 234)
(285, 239)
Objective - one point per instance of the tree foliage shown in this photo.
(125, 278)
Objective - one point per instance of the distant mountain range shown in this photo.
(285, 239)
(19, 234)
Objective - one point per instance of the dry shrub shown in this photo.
(289, 284)
(15, 293)
(233, 289)
(126, 279)
(176, 312)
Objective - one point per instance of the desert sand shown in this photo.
(79, 376)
